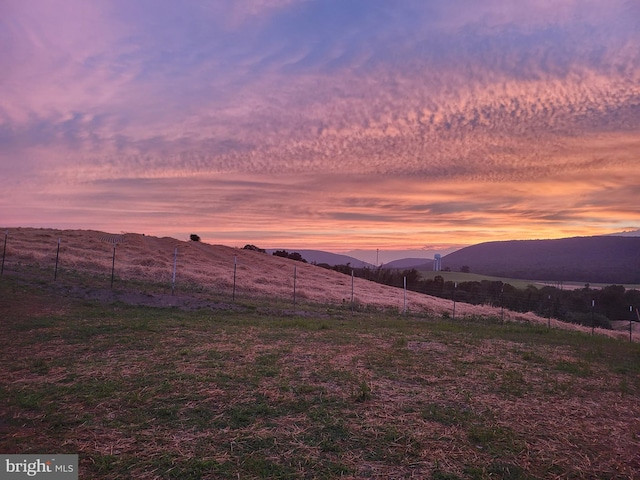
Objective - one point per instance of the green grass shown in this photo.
(449, 415)
(475, 277)
(253, 391)
(515, 282)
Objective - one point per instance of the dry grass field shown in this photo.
(204, 269)
(148, 385)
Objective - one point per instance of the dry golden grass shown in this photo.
(252, 390)
(167, 394)
(211, 267)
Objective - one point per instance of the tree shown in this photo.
(293, 255)
(465, 269)
(438, 284)
(346, 269)
(296, 256)
(254, 248)
(194, 237)
(413, 278)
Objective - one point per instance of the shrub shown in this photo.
(254, 248)
(293, 255)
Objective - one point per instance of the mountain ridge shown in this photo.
(597, 259)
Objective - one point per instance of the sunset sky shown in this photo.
(331, 124)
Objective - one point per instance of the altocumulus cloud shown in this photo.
(496, 119)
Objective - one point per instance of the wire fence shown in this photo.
(117, 261)
(186, 267)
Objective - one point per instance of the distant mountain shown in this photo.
(407, 263)
(627, 233)
(319, 256)
(384, 256)
(601, 259)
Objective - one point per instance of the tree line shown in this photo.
(585, 306)
(278, 253)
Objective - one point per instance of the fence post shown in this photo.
(593, 324)
(352, 304)
(113, 263)
(173, 276)
(4, 250)
(630, 320)
(235, 264)
(294, 289)
(55, 273)
(404, 311)
(455, 286)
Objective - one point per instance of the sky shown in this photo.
(332, 124)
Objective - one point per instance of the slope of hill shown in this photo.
(202, 267)
(602, 259)
(146, 263)
(203, 270)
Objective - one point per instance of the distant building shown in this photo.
(437, 262)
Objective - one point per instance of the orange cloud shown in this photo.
(294, 124)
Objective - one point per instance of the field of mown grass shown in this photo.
(252, 390)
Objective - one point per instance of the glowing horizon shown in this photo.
(322, 124)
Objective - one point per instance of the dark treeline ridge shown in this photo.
(575, 306)
(291, 255)
(279, 253)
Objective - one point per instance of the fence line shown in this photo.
(114, 240)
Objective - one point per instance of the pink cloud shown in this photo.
(281, 120)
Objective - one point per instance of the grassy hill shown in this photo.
(252, 390)
(85, 259)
